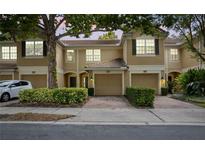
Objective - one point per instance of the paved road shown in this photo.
(100, 132)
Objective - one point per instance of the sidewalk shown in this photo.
(131, 115)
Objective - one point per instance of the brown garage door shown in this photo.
(146, 80)
(37, 81)
(5, 77)
(108, 84)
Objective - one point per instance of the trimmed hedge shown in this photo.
(67, 96)
(140, 97)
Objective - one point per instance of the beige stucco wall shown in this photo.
(144, 60)
(16, 75)
(107, 54)
(126, 79)
(188, 59)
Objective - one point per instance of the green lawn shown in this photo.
(197, 100)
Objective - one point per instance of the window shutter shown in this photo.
(157, 46)
(133, 46)
(44, 48)
(23, 46)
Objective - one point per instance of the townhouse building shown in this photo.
(108, 66)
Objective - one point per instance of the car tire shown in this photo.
(5, 97)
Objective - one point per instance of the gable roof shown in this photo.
(117, 63)
(77, 43)
(173, 42)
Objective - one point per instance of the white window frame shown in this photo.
(173, 57)
(70, 53)
(92, 54)
(35, 54)
(10, 54)
(146, 53)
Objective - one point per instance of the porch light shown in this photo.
(162, 82)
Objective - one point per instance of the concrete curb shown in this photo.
(101, 123)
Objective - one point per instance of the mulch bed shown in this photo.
(33, 117)
(54, 105)
(43, 105)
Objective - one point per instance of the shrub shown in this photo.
(70, 95)
(140, 97)
(170, 85)
(196, 88)
(90, 91)
(164, 91)
(188, 81)
(58, 96)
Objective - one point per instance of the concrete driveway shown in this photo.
(111, 102)
(165, 102)
(120, 102)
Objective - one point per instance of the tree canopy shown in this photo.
(191, 28)
(108, 36)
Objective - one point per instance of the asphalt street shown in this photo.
(18, 131)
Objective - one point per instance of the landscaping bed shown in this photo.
(52, 105)
(196, 100)
(33, 117)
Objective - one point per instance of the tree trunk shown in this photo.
(51, 53)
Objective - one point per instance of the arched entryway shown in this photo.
(173, 75)
(84, 79)
(70, 79)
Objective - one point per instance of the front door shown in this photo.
(72, 81)
(85, 82)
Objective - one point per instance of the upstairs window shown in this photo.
(93, 55)
(34, 48)
(174, 55)
(145, 46)
(9, 53)
(70, 55)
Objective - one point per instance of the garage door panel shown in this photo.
(108, 84)
(37, 81)
(5, 77)
(146, 80)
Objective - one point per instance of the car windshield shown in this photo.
(4, 84)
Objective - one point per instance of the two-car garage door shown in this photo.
(108, 84)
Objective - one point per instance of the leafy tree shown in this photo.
(190, 27)
(53, 27)
(108, 36)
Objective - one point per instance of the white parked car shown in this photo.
(11, 88)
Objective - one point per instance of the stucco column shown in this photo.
(77, 70)
(78, 80)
